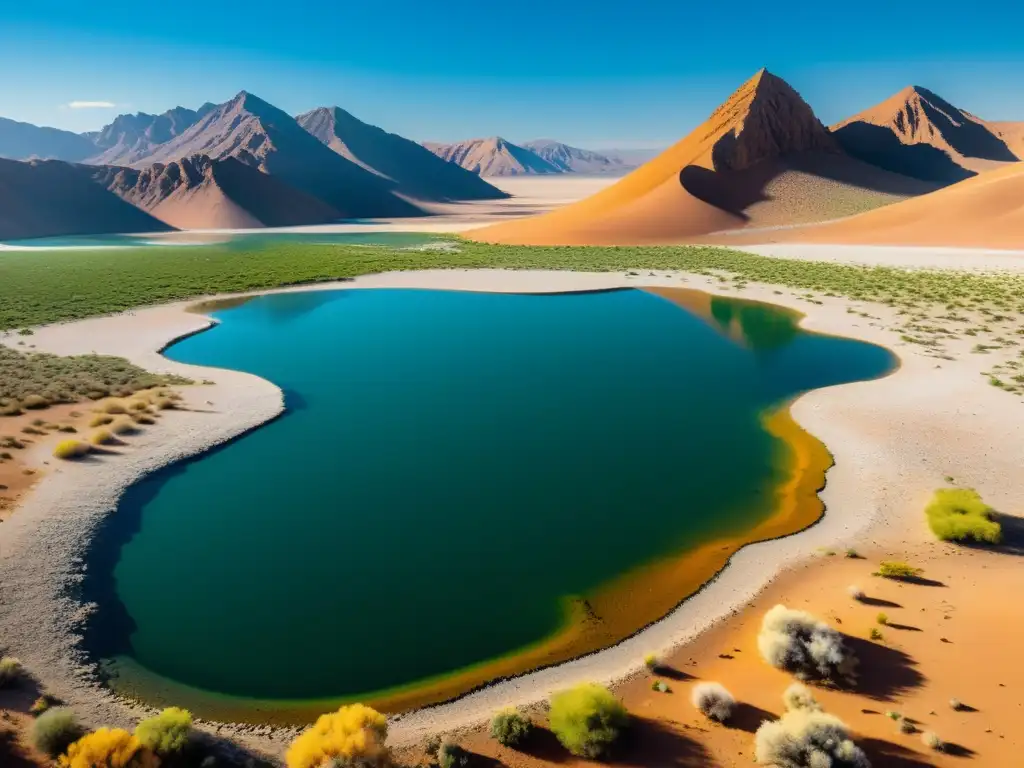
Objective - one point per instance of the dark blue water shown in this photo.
(451, 467)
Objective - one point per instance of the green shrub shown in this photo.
(55, 730)
(42, 704)
(892, 569)
(652, 662)
(167, 733)
(876, 634)
(123, 425)
(70, 449)
(799, 696)
(959, 514)
(11, 671)
(932, 741)
(587, 719)
(510, 728)
(713, 701)
(882, 619)
(452, 756)
(101, 437)
(797, 642)
(807, 739)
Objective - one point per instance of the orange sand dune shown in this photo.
(725, 174)
(985, 211)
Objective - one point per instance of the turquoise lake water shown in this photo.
(450, 467)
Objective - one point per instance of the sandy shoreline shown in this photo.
(891, 438)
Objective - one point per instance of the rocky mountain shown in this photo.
(920, 134)
(762, 157)
(264, 137)
(131, 138)
(47, 198)
(415, 171)
(199, 193)
(24, 141)
(492, 157)
(575, 160)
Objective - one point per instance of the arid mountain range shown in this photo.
(243, 163)
(762, 160)
(499, 157)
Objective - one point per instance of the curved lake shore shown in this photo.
(42, 544)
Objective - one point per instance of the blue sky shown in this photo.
(590, 73)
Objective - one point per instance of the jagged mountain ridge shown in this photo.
(199, 193)
(918, 133)
(493, 156)
(415, 170)
(570, 159)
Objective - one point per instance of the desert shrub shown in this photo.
(123, 425)
(67, 428)
(510, 728)
(166, 733)
(164, 403)
(451, 756)
(959, 514)
(932, 741)
(352, 736)
(141, 417)
(33, 402)
(137, 404)
(852, 554)
(882, 618)
(113, 406)
(713, 701)
(660, 686)
(11, 671)
(807, 739)
(70, 449)
(652, 662)
(876, 634)
(799, 696)
(893, 569)
(109, 748)
(9, 407)
(855, 592)
(956, 704)
(54, 731)
(100, 420)
(42, 704)
(587, 719)
(906, 726)
(797, 642)
(101, 437)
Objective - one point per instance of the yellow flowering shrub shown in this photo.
(353, 735)
(108, 748)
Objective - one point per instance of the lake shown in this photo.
(463, 485)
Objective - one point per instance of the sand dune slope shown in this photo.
(50, 198)
(762, 157)
(920, 134)
(986, 211)
(199, 193)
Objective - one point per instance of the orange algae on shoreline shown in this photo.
(613, 613)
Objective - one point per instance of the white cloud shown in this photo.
(91, 105)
